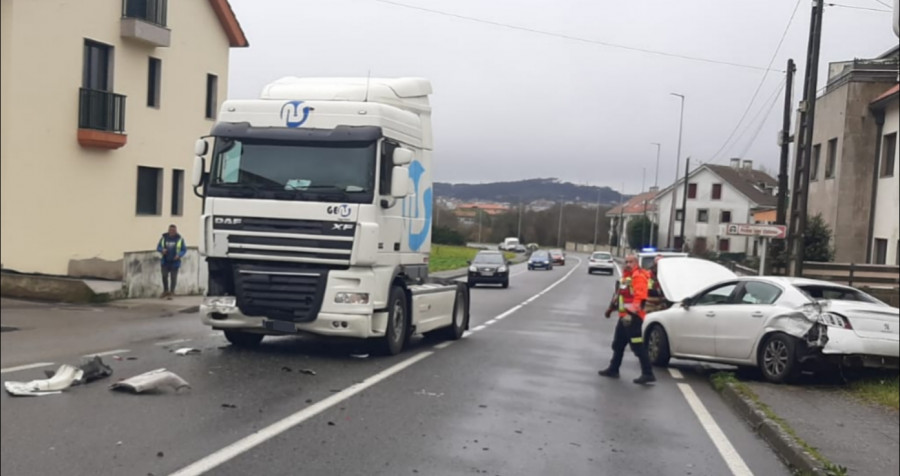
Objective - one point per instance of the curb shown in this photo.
(779, 440)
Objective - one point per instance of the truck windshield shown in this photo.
(284, 171)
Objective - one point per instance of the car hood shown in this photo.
(684, 277)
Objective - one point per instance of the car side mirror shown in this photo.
(686, 303)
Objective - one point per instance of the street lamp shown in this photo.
(653, 239)
(677, 168)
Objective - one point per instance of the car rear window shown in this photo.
(820, 291)
(602, 256)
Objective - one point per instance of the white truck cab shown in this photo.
(317, 212)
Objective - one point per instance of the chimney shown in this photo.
(748, 165)
(654, 189)
(735, 163)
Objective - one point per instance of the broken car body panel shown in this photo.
(64, 378)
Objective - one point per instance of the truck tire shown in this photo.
(460, 316)
(243, 339)
(396, 334)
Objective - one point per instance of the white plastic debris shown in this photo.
(64, 377)
(187, 350)
(152, 380)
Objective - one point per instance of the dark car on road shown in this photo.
(489, 267)
(540, 259)
(558, 257)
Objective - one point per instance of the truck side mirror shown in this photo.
(402, 156)
(201, 147)
(399, 182)
(197, 172)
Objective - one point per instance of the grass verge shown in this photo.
(884, 390)
(444, 258)
(721, 379)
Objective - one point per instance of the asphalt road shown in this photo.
(520, 395)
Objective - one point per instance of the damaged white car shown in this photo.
(780, 325)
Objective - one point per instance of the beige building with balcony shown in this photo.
(102, 101)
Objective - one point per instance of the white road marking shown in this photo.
(476, 329)
(734, 461)
(676, 374)
(108, 352)
(490, 322)
(25, 367)
(618, 269)
(444, 345)
(261, 436)
(172, 342)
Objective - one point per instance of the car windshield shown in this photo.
(837, 293)
(281, 171)
(539, 255)
(488, 258)
(603, 256)
(555, 252)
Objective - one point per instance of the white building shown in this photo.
(717, 195)
(641, 205)
(885, 225)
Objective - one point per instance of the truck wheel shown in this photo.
(243, 339)
(460, 316)
(397, 332)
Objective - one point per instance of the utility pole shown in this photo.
(519, 228)
(784, 140)
(597, 221)
(677, 166)
(687, 168)
(800, 193)
(478, 211)
(620, 222)
(653, 238)
(559, 229)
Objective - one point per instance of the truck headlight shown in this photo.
(351, 298)
(220, 302)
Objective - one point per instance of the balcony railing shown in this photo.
(101, 110)
(151, 11)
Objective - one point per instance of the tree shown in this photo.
(638, 232)
(447, 236)
(817, 242)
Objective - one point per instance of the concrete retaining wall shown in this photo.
(143, 276)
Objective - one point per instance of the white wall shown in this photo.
(887, 201)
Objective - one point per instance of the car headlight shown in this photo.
(473, 269)
(501, 269)
(351, 298)
(220, 302)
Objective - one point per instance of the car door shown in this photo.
(695, 328)
(739, 326)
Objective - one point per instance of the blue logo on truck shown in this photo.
(293, 114)
(417, 239)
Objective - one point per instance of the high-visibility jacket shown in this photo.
(175, 247)
(633, 290)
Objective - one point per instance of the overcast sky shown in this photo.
(511, 104)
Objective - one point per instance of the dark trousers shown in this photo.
(169, 275)
(625, 335)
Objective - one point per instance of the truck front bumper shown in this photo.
(360, 326)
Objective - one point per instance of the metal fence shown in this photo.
(101, 110)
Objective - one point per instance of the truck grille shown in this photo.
(308, 241)
(280, 293)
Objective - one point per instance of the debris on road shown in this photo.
(430, 394)
(286, 369)
(64, 377)
(152, 380)
(93, 368)
(307, 371)
(229, 405)
(187, 350)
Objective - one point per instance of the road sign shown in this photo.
(757, 229)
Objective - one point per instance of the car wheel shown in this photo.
(243, 339)
(470, 284)
(530, 268)
(505, 284)
(777, 359)
(658, 346)
(397, 332)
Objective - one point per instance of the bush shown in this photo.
(447, 236)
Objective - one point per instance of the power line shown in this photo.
(578, 38)
(885, 4)
(760, 85)
(765, 118)
(853, 7)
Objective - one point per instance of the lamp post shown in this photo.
(677, 167)
(653, 238)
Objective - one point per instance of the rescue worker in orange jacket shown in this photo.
(629, 303)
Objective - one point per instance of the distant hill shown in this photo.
(526, 191)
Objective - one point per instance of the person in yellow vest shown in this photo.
(655, 297)
(629, 303)
(171, 248)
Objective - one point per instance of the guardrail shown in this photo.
(852, 274)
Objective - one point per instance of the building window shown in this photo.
(679, 243)
(154, 78)
(888, 153)
(725, 245)
(814, 162)
(725, 217)
(831, 160)
(880, 251)
(149, 191)
(97, 72)
(702, 215)
(717, 191)
(151, 11)
(212, 90)
(177, 192)
(692, 190)
(679, 215)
